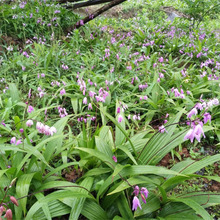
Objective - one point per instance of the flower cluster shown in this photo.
(45, 129)
(62, 112)
(196, 129)
(13, 141)
(144, 194)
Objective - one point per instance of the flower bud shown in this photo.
(14, 200)
(13, 182)
(8, 214)
(2, 209)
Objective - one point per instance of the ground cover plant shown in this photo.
(116, 120)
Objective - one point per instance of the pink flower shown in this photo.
(118, 110)
(53, 130)
(91, 94)
(40, 127)
(162, 129)
(29, 123)
(41, 94)
(46, 130)
(144, 191)
(29, 93)
(160, 59)
(195, 133)
(30, 109)
(18, 142)
(192, 112)
(13, 140)
(189, 135)
(136, 203)
(85, 101)
(62, 92)
(199, 106)
(90, 106)
(136, 190)
(120, 118)
(207, 117)
(198, 131)
(114, 158)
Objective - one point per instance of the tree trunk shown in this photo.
(97, 13)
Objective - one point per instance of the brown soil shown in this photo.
(72, 175)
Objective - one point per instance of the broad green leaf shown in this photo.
(132, 182)
(195, 206)
(45, 207)
(78, 204)
(57, 184)
(91, 210)
(74, 102)
(60, 194)
(153, 204)
(125, 210)
(134, 171)
(122, 130)
(97, 172)
(108, 160)
(119, 168)
(127, 152)
(198, 165)
(22, 188)
(14, 94)
(158, 141)
(103, 146)
(56, 209)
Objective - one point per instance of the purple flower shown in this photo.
(160, 59)
(144, 191)
(85, 101)
(21, 130)
(90, 106)
(29, 93)
(13, 140)
(81, 22)
(192, 112)
(91, 94)
(30, 109)
(18, 142)
(199, 106)
(53, 130)
(207, 117)
(198, 131)
(189, 135)
(162, 129)
(195, 133)
(29, 123)
(136, 190)
(120, 118)
(114, 158)
(62, 92)
(136, 203)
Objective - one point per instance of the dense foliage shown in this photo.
(88, 117)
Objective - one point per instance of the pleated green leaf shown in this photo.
(22, 189)
(158, 142)
(78, 203)
(195, 206)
